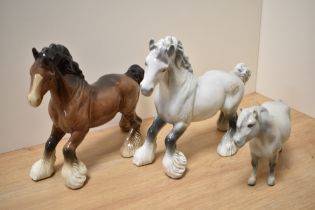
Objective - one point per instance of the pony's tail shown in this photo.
(136, 73)
(242, 71)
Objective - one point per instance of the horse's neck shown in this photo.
(66, 88)
(178, 80)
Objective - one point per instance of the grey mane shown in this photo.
(181, 60)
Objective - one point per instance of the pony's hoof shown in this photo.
(145, 154)
(43, 168)
(175, 164)
(74, 174)
(227, 147)
(133, 142)
(271, 181)
(251, 181)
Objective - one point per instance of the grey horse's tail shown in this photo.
(136, 73)
(242, 71)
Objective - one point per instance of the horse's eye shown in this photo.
(164, 70)
(250, 125)
(145, 63)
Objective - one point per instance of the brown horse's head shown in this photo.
(50, 62)
(42, 76)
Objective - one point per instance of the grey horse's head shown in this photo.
(164, 54)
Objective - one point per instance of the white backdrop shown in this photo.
(287, 53)
(107, 37)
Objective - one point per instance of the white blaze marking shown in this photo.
(34, 94)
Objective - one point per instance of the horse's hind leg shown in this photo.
(222, 122)
(124, 123)
(146, 153)
(74, 171)
(44, 167)
(227, 146)
(134, 139)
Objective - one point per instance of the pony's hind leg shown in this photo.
(44, 167)
(146, 153)
(134, 139)
(222, 122)
(271, 179)
(74, 171)
(174, 161)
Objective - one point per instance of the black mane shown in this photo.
(62, 59)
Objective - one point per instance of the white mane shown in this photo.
(179, 59)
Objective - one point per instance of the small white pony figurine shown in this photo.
(182, 98)
(266, 127)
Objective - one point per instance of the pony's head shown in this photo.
(49, 62)
(248, 124)
(165, 54)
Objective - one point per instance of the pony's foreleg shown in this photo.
(252, 179)
(134, 138)
(227, 146)
(146, 153)
(44, 167)
(174, 161)
(74, 171)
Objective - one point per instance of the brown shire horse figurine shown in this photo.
(75, 107)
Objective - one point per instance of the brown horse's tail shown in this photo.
(136, 73)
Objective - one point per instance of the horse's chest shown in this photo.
(70, 118)
(173, 110)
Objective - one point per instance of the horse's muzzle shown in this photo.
(145, 91)
(34, 101)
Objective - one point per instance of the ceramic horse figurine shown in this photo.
(266, 127)
(76, 106)
(182, 98)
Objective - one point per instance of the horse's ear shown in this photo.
(151, 44)
(255, 114)
(171, 50)
(35, 53)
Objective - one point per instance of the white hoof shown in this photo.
(174, 164)
(43, 168)
(271, 180)
(251, 181)
(227, 146)
(74, 174)
(145, 154)
(131, 144)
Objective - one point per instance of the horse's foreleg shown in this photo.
(146, 153)
(44, 167)
(74, 171)
(227, 146)
(134, 139)
(174, 161)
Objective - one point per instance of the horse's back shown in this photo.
(119, 89)
(120, 81)
(215, 90)
(281, 116)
